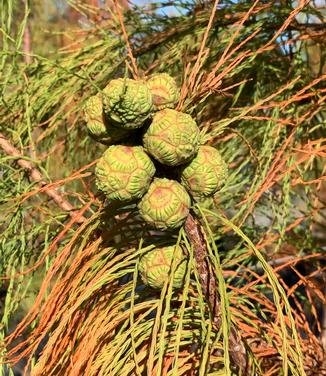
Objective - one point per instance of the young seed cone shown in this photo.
(166, 204)
(205, 174)
(97, 126)
(155, 266)
(172, 138)
(164, 90)
(124, 173)
(127, 103)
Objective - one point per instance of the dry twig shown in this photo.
(36, 176)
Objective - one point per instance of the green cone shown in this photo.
(165, 205)
(127, 103)
(97, 126)
(155, 266)
(205, 174)
(164, 90)
(124, 173)
(172, 138)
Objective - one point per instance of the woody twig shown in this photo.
(37, 177)
(210, 290)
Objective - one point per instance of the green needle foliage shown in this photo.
(72, 302)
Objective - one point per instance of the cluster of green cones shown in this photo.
(150, 141)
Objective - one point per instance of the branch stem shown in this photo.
(37, 176)
(209, 287)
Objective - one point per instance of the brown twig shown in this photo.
(133, 67)
(27, 48)
(27, 45)
(323, 323)
(36, 176)
(210, 290)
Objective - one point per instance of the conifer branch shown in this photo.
(37, 177)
